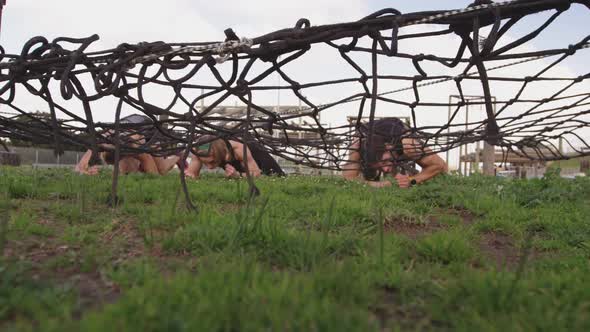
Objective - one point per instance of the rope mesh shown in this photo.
(529, 102)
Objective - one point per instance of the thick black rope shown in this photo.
(124, 72)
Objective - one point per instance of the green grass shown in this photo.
(445, 247)
(310, 254)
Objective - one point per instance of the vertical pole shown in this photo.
(489, 154)
(299, 132)
(2, 4)
(36, 157)
(466, 151)
(460, 167)
(561, 146)
(202, 100)
(477, 151)
(449, 130)
(279, 90)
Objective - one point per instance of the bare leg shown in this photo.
(129, 165)
(165, 165)
(194, 168)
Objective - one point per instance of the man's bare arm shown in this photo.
(352, 168)
(432, 165)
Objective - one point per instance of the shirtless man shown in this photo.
(389, 145)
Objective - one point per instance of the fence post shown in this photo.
(36, 157)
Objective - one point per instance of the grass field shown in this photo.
(310, 254)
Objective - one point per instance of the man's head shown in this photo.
(385, 159)
(380, 150)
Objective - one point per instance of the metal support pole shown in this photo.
(449, 130)
(561, 145)
(489, 153)
(477, 151)
(466, 152)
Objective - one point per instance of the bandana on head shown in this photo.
(205, 146)
(203, 150)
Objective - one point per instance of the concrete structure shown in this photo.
(487, 153)
(522, 166)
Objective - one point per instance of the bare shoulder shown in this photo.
(414, 148)
(236, 145)
(238, 149)
(422, 154)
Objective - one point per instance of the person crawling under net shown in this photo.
(214, 152)
(130, 163)
(391, 152)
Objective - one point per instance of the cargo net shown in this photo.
(422, 67)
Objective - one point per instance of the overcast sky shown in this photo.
(131, 21)
(118, 21)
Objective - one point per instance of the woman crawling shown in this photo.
(229, 155)
(129, 163)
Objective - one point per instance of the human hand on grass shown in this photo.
(403, 181)
(92, 170)
(231, 172)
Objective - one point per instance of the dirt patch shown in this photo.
(414, 229)
(501, 250)
(432, 223)
(125, 239)
(226, 208)
(52, 260)
(467, 217)
(92, 288)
